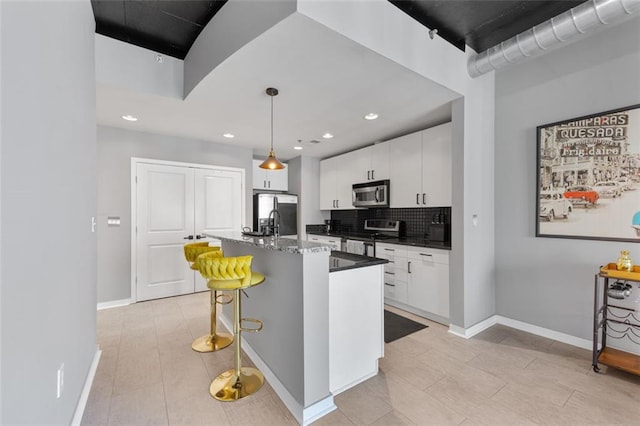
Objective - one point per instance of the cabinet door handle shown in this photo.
(269, 183)
(390, 285)
(333, 203)
(390, 273)
(426, 254)
(338, 204)
(409, 267)
(368, 174)
(373, 175)
(264, 183)
(418, 198)
(389, 249)
(424, 201)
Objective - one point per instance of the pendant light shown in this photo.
(271, 162)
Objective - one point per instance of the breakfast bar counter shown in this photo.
(323, 332)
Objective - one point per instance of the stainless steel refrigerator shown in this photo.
(287, 208)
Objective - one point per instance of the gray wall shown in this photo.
(48, 252)
(116, 147)
(548, 282)
(304, 180)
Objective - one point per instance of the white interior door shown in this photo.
(165, 216)
(218, 205)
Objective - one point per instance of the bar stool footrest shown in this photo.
(251, 330)
(224, 299)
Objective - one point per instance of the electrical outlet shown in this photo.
(60, 380)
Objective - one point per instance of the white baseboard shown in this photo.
(545, 332)
(318, 410)
(303, 415)
(519, 325)
(467, 333)
(113, 304)
(84, 396)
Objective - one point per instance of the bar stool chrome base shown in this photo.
(228, 387)
(209, 343)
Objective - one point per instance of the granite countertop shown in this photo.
(341, 261)
(289, 245)
(407, 241)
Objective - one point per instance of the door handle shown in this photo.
(418, 198)
(188, 237)
(337, 204)
(390, 285)
(264, 183)
(269, 183)
(199, 237)
(423, 198)
(376, 195)
(409, 267)
(368, 174)
(373, 174)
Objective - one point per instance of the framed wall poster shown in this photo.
(589, 177)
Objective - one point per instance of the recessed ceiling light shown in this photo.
(129, 117)
(229, 135)
(327, 135)
(371, 116)
(298, 147)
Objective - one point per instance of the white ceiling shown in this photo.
(327, 83)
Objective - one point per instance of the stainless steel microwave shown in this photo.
(371, 194)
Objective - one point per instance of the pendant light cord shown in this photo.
(271, 123)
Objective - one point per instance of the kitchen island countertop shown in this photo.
(341, 261)
(289, 245)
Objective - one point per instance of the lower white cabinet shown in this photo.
(416, 279)
(428, 288)
(395, 272)
(334, 242)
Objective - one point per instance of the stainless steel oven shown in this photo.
(371, 194)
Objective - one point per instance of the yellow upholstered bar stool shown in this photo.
(214, 340)
(233, 273)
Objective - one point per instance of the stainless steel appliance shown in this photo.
(371, 194)
(275, 214)
(374, 230)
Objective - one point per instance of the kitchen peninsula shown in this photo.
(322, 315)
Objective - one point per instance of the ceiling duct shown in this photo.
(564, 27)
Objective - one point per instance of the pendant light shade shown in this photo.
(271, 162)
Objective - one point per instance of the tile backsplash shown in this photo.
(417, 220)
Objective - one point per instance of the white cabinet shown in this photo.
(372, 163)
(336, 180)
(428, 288)
(331, 241)
(338, 174)
(406, 171)
(270, 180)
(395, 272)
(420, 169)
(416, 279)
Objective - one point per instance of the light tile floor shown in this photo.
(148, 374)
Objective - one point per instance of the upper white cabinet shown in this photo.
(338, 174)
(372, 163)
(420, 169)
(270, 180)
(336, 179)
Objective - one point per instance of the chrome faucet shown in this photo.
(276, 222)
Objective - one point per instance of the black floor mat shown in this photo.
(396, 326)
